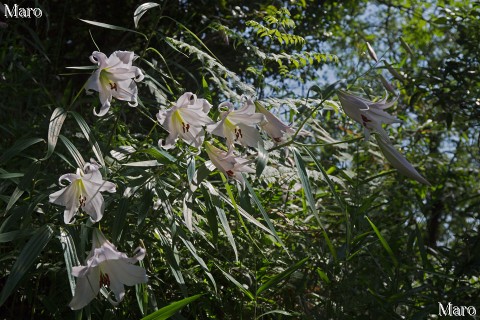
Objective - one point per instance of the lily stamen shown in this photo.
(238, 133)
(104, 280)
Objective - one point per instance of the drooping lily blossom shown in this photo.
(368, 113)
(185, 119)
(238, 126)
(398, 161)
(106, 266)
(227, 163)
(83, 192)
(114, 78)
(274, 127)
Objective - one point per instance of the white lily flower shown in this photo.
(83, 192)
(238, 126)
(398, 161)
(368, 113)
(106, 266)
(227, 163)
(185, 119)
(114, 78)
(273, 126)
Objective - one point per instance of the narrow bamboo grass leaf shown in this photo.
(24, 184)
(237, 284)
(211, 215)
(169, 251)
(213, 197)
(73, 151)
(11, 175)
(83, 67)
(262, 159)
(141, 293)
(241, 212)
(206, 90)
(406, 46)
(56, 121)
(14, 235)
(282, 312)
(161, 155)
(281, 276)
(18, 147)
(264, 213)
(187, 211)
(302, 174)
(120, 218)
(421, 247)
(70, 256)
(371, 52)
(327, 178)
(25, 260)
(110, 26)
(89, 136)
(17, 193)
(191, 169)
(245, 214)
(146, 163)
(383, 242)
(141, 10)
(168, 311)
(200, 261)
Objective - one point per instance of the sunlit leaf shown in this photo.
(141, 10)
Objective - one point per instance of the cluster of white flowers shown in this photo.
(105, 265)
(189, 120)
(188, 117)
(371, 116)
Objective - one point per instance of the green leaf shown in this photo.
(191, 169)
(238, 284)
(70, 256)
(264, 213)
(110, 26)
(161, 155)
(171, 309)
(89, 136)
(213, 199)
(141, 10)
(146, 163)
(262, 159)
(18, 147)
(73, 151)
(327, 178)
(23, 185)
(200, 261)
(280, 277)
(11, 175)
(120, 219)
(25, 260)
(56, 121)
(282, 312)
(14, 235)
(383, 242)
(302, 174)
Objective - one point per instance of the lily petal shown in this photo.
(399, 162)
(86, 290)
